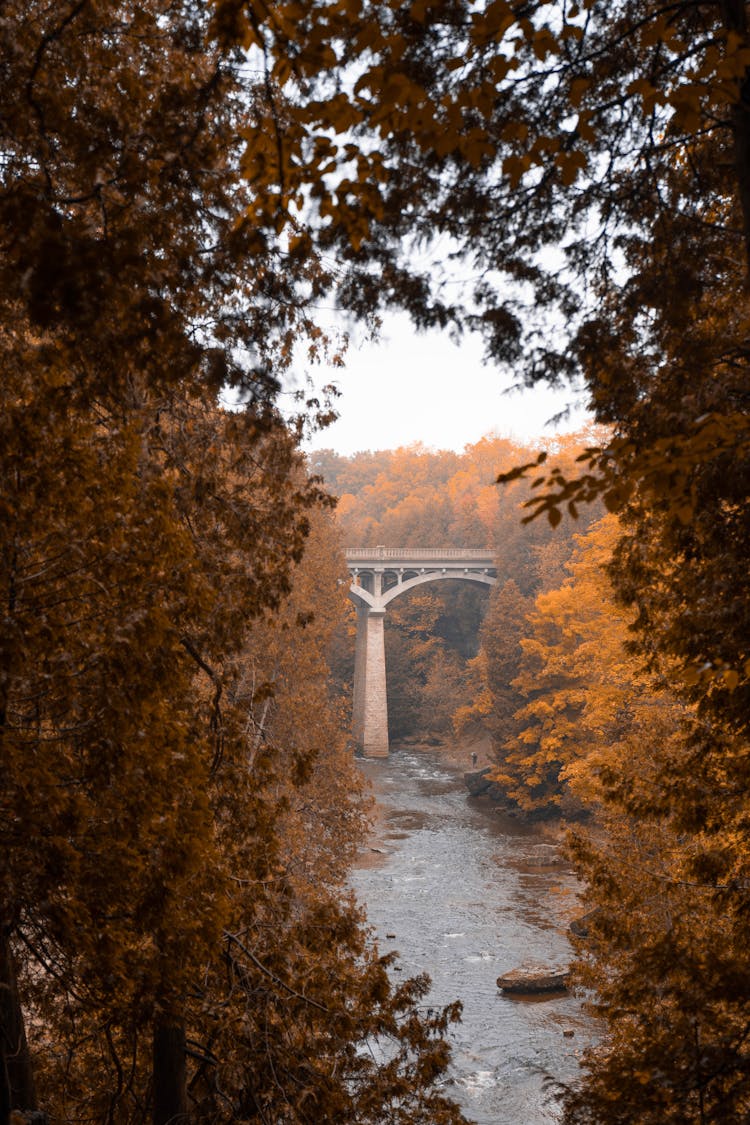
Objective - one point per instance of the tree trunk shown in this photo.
(735, 19)
(16, 1075)
(169, 1074)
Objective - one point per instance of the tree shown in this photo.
(454, 97)
(412, 650)
(664, 951)
(496, 666)
(122, 279)
(119, 199)
(577, 690)
(126, 577)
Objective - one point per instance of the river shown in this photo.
(465, 894)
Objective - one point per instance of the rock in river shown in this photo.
(477, 781)
(533, 979)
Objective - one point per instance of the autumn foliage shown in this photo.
(181, 186)
(599, 155)
(177, 808)
(418, 497)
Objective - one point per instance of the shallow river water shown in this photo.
(468, 894)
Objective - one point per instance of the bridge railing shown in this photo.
(374, 554)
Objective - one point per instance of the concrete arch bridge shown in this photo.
(379, 575)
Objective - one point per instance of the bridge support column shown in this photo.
(370, 712)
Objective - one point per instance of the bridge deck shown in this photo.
(400, 555)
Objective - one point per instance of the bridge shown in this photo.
(380, 574)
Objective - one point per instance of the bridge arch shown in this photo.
(360, 595)
(379, 575)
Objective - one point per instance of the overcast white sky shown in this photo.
(423, 388)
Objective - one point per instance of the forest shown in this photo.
(185, 189)
(417, 497)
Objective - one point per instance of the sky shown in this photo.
(422, 387)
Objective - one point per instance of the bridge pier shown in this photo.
(370, 713)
